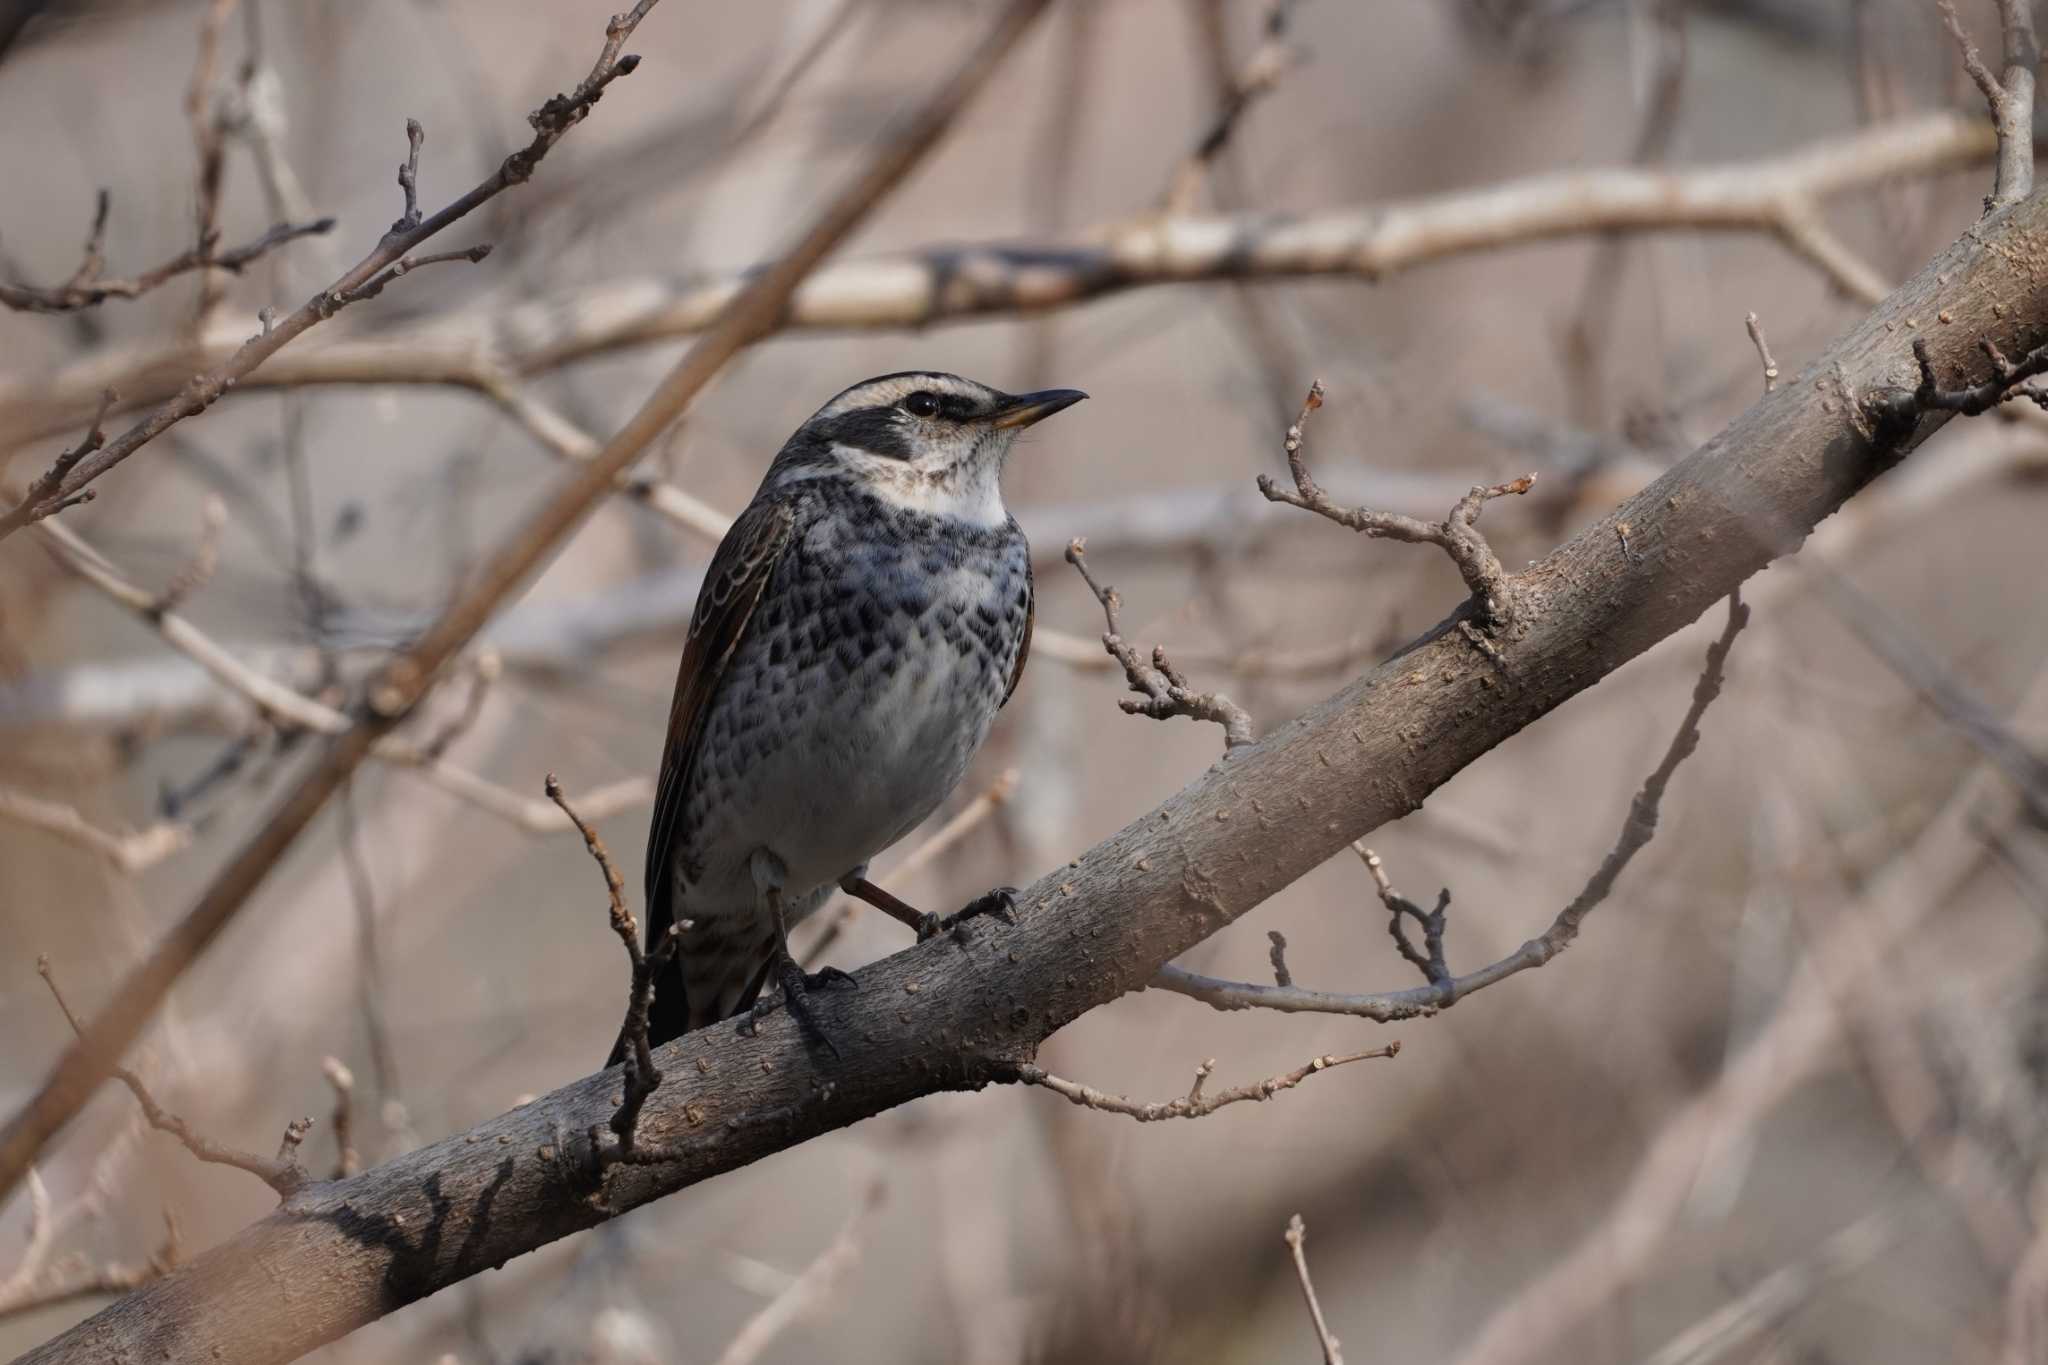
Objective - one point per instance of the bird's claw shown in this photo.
(1001, 903)
(797, 985)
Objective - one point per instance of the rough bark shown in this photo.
(949, 1016)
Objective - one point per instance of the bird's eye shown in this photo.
(922, 404)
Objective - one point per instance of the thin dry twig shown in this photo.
(641, 1077)
(1194, 1104)
(1297, 1237)
(132, 852)
(287, 709)
(36, 1284)
(2008, 379)
(87, 287)
(550, 122)
(282, 1173)
(810, 1291)
(1456, 535)
(343, 1082)
(1261, 72)
(1444, 989)
(1163, 689)
(2011, 96)
(1429, 959)
(1763, 352)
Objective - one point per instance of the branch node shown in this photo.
(1457, 535)
(1163, 690)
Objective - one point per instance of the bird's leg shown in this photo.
(922, 922)
(1001, 902)
(796, 983)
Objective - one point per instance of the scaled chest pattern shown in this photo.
(871, 672)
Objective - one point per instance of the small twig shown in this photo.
(343, 1081)
(2007, 380)
(1202, 1074)
(1165, 690)
(43, 492)
(406, 266)
(1272, 59)
(87, 288)
(409, 177)
(1194, 1104)
(1763, 352)
(1389, 1006)
(1278, 954)
(1297, 1235)
(2011, 97)
(288, 709)
(132, 852)
(487, 668)
(32, 1287)
(283, 1174)
(1456, 535)
(550, 122)
(641, 1077)
(1429, 960)
(199, 568)
(808, 1292)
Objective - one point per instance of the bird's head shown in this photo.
(930, 442)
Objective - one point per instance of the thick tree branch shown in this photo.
(482, 351)
(390, 696)
(951, 1016)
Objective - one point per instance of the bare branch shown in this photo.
(132, 852)
(343, 1082)
(641, 1077)
(1272, 59)
(809, 1292)
(87, 288)
(1456, 535)
(1297, 1237)
(934, 1017)
(553, 119)
(1763, 352)
(36, 1285)
(283, 1174)
(936, 284)
(2011, 98)
(1164, 689)
(1194, 1104)
(1444, 989)
(288, 709)
(1971, 400)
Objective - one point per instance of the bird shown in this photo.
(862, 622)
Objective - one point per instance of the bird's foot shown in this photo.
(1001, 903)
(797, 984)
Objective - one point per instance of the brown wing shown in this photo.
(745, 561)
(1030, 617)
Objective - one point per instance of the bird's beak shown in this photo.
(1024, 409)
